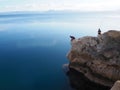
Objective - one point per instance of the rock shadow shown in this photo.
(79, 82)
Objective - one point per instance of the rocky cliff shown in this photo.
(98, 58)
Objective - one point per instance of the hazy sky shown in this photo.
(43, 5)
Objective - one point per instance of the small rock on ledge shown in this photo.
(116, 86)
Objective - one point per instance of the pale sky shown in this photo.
(44, 5)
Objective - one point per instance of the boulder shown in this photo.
(116, 86)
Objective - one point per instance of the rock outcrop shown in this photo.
(98, 58)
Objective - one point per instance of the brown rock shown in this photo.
(98, 58)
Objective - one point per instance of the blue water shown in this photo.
(33, 49)
(31, 58)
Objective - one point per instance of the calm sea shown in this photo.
(33, 49)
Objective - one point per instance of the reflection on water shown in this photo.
(79, 82)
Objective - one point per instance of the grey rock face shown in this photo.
(98, 58)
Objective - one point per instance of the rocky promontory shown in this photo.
(98, 58)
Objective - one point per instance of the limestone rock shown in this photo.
(98, 58)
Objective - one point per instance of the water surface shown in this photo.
(33, 48)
